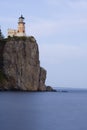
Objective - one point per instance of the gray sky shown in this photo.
(60, 28)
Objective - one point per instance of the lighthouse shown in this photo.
(21, 27)
(20, 32)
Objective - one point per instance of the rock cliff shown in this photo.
(20, 66)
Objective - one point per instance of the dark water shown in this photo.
(43, 111)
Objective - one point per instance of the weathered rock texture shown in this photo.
(21, 66)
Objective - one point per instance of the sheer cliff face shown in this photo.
(21, 65)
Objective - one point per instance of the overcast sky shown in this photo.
(60, 28)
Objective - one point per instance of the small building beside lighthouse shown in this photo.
(20, 30)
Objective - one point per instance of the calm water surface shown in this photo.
(43, 111)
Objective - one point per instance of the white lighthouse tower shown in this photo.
(21, 27)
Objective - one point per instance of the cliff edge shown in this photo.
(20, 66)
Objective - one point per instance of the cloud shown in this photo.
(51, 27)
(53, 2)
(7, 20)
(71, 3)
(66, 65)
(43, 27)
(78, 4)
(62, 52)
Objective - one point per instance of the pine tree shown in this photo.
(1, 35)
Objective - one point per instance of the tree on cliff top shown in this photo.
(1, 35)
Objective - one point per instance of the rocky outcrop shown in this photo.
(21, 65)
(50, 89)
(42, 78)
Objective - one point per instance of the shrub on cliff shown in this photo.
(2, 77)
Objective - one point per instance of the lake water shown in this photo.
(43, 111)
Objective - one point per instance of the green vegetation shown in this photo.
(2, 77)
(31, 38)
(16, 38)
